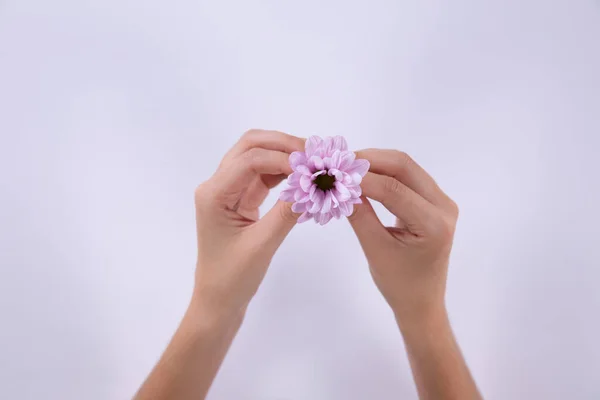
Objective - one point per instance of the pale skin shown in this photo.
(408, 263)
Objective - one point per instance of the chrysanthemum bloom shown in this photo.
(326, 178)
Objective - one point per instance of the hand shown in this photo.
(409, 261)
(235, 247)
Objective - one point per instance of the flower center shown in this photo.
(324, 182)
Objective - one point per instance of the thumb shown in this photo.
(276, 224)
(366, 224)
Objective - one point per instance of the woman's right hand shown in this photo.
(408, 261)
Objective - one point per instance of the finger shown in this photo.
(252, 199)
(414, 211)
(271, 181)
(403, 168)
(235, 177)
(270, 140)
(275, 225)
(256, 194)
(366, 225)
(254, 162)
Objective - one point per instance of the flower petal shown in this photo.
(316, 163)
(335, 198)
(349, 209)
(324, 218)
(339, 175)
(346, 208)
(339, 143)
(303, 169)
(344, 193)
(305, 183)
(347, 180)
(312, 192)
(335, 195)
(356, 178)
(318, 200)
(355, 191)
(336, 157)
(328, 145)
(326, 202)
(358, 200)
(347, 158)
(287, 194)
(305, 217)
(301, 197)
(299, 207)
(336, 212)
(297, 158)
(294, 179)
(359, 166)
(321, 172)
(312, 144)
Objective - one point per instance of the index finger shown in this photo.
(265, 139)
(403, 168)
(240, 172)
(416, 213)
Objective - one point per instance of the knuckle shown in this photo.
(444, 230)
(253, 156)
(454, 208)
(392, 186)
(286, 212)
(200, 193)
(249, 134)
(402, 158)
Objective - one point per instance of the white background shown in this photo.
(111, 112)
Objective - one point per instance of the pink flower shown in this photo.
(326, 178)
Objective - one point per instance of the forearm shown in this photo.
(192, 359)
(439, 369)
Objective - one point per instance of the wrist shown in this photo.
(206, 316)
(423, 320)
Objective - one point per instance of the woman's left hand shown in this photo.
(235, 247)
